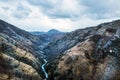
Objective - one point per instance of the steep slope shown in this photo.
(85, 54)
(19, 35)
(21, 63)
(95, 58)
(58, 46)
(19, 54)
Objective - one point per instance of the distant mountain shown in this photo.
(37, 33)
(49, 36)
(67, 41)
(58, 46)
(91, 53)
(53, 31)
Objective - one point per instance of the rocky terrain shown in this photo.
(92, 53)
(19, 54)
(67, 41)
(95, 58)
(17, 64)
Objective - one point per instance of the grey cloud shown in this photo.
(51, 9)
(96, 9)
(15, 8)
(21, 12)
(4, 0)
(21, 15)
(46, 4)
(5, 8)
(101, 8)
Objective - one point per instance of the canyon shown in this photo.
(92, 53)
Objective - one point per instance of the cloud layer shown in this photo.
(64, 15)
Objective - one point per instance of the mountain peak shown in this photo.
(53, 31)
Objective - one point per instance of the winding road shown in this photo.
(43, 68)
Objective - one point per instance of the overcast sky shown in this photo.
(64, 15)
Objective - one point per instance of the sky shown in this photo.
(63, 15)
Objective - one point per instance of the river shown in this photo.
(43, 68)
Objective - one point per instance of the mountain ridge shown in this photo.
(20, 54)
(48, 32)
(94, 58)
(83, 54)
(72, 38)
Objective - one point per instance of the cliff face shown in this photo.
(95, 58)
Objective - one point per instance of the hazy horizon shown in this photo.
(55, 28)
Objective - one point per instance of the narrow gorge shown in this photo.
(92, 53)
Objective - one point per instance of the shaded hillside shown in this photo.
(20, 55)
(21, 63)
(84, 54)
(95, 58)
(76, 66)
(57, 47)
(23, 37)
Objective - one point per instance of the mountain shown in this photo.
(94, 57)
(68, 40)
(37, 33)
(49, 36)
(56, 47)
(20, 56)
(91, 53)
(53, 31)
